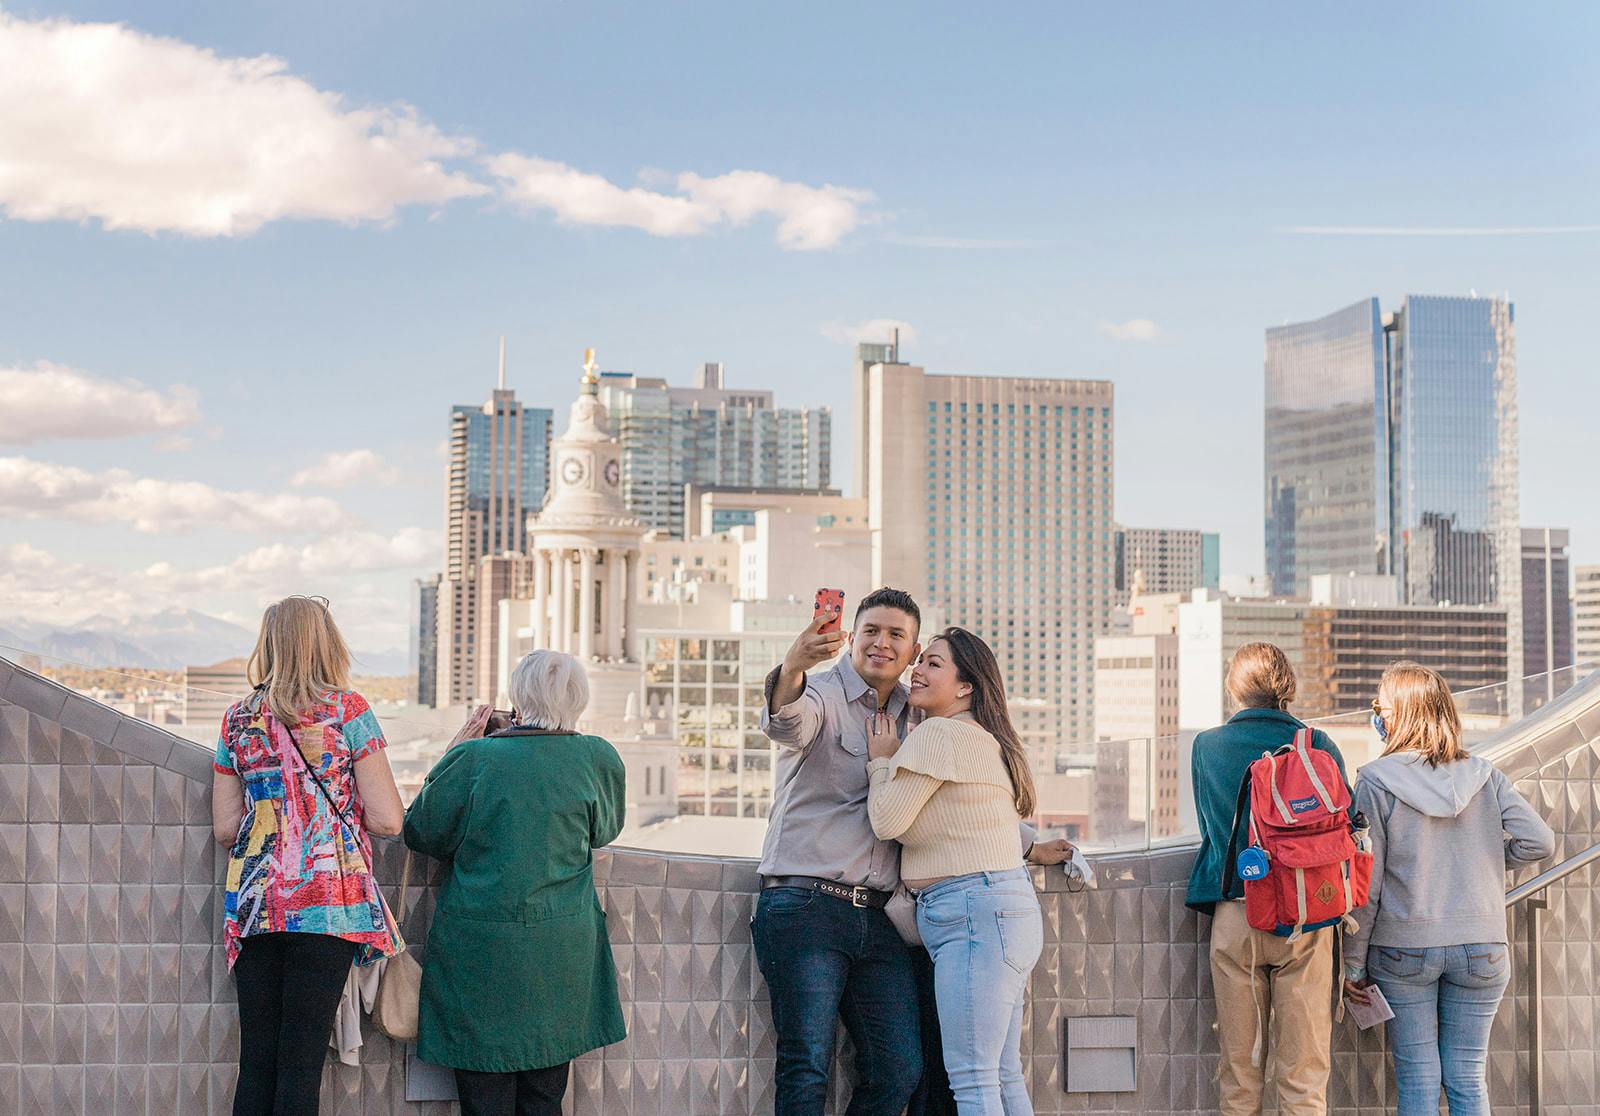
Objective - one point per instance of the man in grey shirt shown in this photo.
(822, 939)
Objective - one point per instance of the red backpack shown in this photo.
(1304, 868)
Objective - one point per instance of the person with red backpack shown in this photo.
(1302, 854)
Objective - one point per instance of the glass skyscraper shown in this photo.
(1327, 480)
(1391, 448)
(496, 477)
(709, 435)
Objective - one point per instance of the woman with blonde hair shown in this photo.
(953, 795)
(300, 780)
(1445, 827)
(1258, 978)
(518, 979)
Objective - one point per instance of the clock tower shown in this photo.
(585, 545)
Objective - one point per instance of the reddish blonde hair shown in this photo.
(1425, 718)
(1260, 677)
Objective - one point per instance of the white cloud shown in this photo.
(37, 584)
(579, 198)
(872, 329)
(1134, 329)
(279, 568)
(50, 401)
(1438, 230)
(364, 573)
(341, 470)
(103, 122)
(809, 217)
(41, 490)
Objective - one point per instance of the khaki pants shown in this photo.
(1292, 995)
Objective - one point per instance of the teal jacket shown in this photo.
(1221, 758)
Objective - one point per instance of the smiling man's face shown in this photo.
(883, 645)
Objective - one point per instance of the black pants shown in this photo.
(933, 1096)
(289, 988)
(535, 1092)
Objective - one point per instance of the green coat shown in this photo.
(518, 973)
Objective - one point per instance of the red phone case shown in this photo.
(829, 600)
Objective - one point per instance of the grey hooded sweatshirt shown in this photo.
(1442, 839)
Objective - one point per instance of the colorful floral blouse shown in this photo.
(295, 864)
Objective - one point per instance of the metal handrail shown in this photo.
(1552, 875)
(1533, 894)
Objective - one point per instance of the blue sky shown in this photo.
(1010, 183)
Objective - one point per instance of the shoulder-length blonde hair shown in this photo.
(1261, 677)
(1425, 719)
(299, 656)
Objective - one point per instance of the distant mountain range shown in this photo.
(168, 640)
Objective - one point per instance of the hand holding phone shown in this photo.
(829, 601)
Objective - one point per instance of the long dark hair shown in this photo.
(976, 666)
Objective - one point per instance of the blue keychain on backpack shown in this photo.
(1253, 863)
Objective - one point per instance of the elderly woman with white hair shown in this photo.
(518, 979)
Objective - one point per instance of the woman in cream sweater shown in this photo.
(952, 795)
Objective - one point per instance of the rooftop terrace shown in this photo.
(114, 996)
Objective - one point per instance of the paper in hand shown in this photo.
(1077, 866)
(1370, 1014)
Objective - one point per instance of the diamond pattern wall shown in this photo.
(115, 999)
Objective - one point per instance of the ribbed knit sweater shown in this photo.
(947, 798)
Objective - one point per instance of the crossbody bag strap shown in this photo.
(304, 763)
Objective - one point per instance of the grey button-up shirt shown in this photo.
(819, 825)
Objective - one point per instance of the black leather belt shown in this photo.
(855, 896)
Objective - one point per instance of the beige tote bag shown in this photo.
(395, 1010)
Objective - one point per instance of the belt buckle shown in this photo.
(859, 896)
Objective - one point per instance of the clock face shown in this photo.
(572, 471)
(613, 473)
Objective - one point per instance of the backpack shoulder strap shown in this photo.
(1302, 747)
(1240, 806)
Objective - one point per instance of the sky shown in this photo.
(250, 254)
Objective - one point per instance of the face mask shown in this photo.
(1379, 727)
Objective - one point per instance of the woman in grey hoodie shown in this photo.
(1445, 827)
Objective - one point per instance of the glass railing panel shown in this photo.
(1107, 796)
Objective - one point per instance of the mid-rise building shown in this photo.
(496, 478)
(710, 509)
(990, 499)
(1586, 618)
(1136, 715)
(209, 690)
(1546, 601)
(1391, 448)
(1339, 651)
(1166, 560)
(708, 434)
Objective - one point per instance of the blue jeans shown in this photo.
(824, 959)
(985, 933)
(1444, 1000)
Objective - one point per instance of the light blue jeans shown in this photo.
(985, 933)
(1444, 1000)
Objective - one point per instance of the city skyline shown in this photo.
(291, 367)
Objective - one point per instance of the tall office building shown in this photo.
(496, 477)
(1391, 448)
(1136, 721)
(989, 499)
(423, 637)
(1586, 618)
(709, 434)
(1546, 601)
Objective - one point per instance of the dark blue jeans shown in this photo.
(824, 960)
